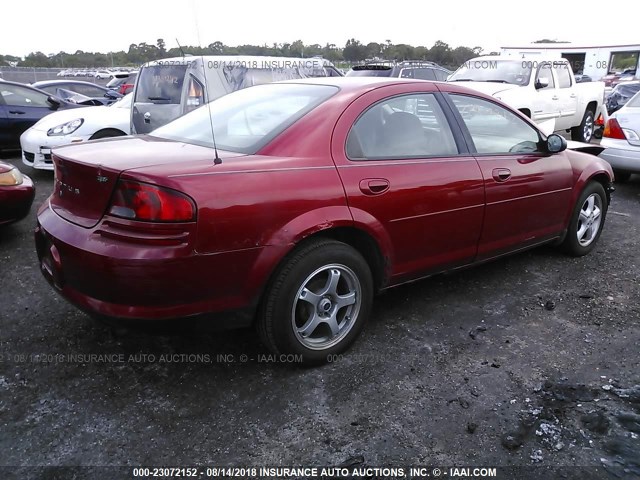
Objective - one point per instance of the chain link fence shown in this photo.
(37, 74)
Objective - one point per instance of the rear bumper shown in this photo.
(122, 281)
(16, 201)
(627, 160)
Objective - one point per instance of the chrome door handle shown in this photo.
(501, 174)
(374, 186)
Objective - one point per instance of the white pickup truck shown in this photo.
(542, 88)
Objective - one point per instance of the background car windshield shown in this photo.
(516, 72)
(634, 102)
(246, 120)
(161, 84)
(124, 102)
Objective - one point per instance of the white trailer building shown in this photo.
(595, 61)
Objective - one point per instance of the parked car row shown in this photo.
(99, 74)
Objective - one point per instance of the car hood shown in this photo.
(62, 116)
(590, 148)
(488, 88)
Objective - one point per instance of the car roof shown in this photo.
(18, 84)
(46, 83)
(353, 83)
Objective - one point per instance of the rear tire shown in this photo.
(584, 132)
(621, 176)
(317, 302)
(587, 220)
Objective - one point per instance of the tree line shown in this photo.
(353, 52)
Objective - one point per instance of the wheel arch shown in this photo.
(273, 258)
(116, 131)
(601, 176)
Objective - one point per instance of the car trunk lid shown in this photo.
(86, 174)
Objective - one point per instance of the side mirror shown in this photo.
(556, 143)
(542, 82)
(55, 102)
(112, 94)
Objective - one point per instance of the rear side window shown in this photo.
(562, 72)
(544, 72)
(406, 126)
(161, 84)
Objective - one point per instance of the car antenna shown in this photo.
(216, 159)
(180, 47)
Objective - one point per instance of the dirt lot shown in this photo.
(532, 360)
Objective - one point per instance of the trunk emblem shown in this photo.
(101, 178)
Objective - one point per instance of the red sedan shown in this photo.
(16, 194)
(315, 195)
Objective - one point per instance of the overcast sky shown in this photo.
(98, 26)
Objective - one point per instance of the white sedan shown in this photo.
(622, 138)
(103, 74)
(75, 125)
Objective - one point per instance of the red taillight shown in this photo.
(612, 130)
(146, 202)
(600, 120)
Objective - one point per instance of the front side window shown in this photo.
(16, 96)
(494, 129)
(406, 126)
(246, 120)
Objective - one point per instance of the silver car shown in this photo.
(622, 138)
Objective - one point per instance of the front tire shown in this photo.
(584, 132)
(318, 302)
(587, 220)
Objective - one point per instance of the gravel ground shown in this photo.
(532, 360)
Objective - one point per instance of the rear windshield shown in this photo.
(628, 90)
(246, 120)
(161, 84)
(370, 71)
(121, 79)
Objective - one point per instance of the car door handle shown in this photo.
(554, 97)
(374, 186)
(17, 112)
(501, 174)
(573, 95)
